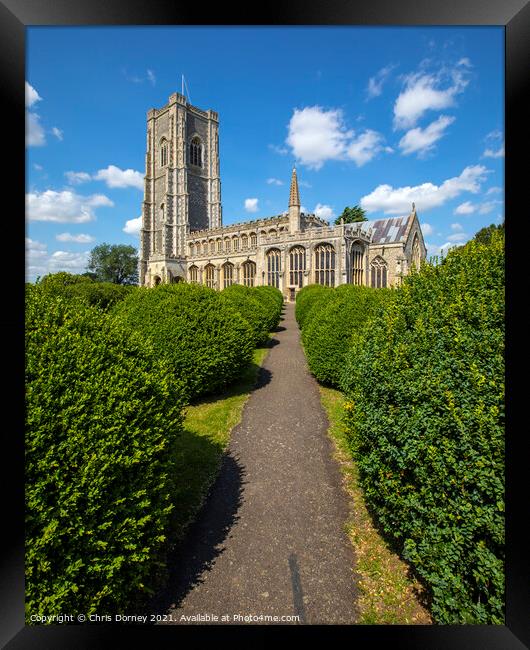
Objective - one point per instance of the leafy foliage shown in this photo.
(252, 308)
(425, 412)
(329, 331)
(483, 236)
(116, 263)
(205, 339)
(351, 215)
(307, 298)
(55, 282)
(272, 299)
(103, 426)
(99, 294)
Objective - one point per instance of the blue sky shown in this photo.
(373, 116)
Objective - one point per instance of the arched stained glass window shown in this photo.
(249, 273)
(297, 266)
(273, 268)
(378, 273)
(356, 264)
(228, 274)
(194, 274)
(325, 265)
(209, 272)
(253, 240)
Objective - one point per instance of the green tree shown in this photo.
(483, 236)
(117, 263)
(352, 215)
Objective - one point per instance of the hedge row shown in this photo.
(105, 392)
(103, 423)
(98, 294)
(307, 298)
(195, 329)
(256, 307)
(331, 322)
(425, 414)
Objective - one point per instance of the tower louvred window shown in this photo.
(196, 152)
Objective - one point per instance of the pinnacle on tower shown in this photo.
(294, 196)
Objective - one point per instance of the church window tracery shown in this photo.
(297, 266)
(378, 273)
(249, 273)
(273, 267)
(325, 265)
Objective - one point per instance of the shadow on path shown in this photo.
(204, 540)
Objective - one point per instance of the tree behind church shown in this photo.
(116, 263)
(352, 215)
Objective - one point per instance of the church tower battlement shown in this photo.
(182, 188)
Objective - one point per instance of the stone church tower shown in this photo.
(182, 191)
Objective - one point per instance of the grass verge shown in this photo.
(207, 427)
(388, 593)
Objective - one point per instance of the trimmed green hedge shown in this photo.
(306, 299)
(103, 419)
(329, 330)
(205, 339)
(251, 307)
(272, 299)
(99, 294)
(425, 389)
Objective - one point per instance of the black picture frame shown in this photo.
(15, 16)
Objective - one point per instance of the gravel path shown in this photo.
(270, 539)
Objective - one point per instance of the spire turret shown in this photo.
(294, 196)
(294, 204)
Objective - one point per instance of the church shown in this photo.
(182, 237)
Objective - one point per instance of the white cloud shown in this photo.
(77, 239)
(426, 196)
(274, 181)
(251, 205)
(76, 178)
(151, 76)
(66, 261)
(39, 168)
(40, 262)
(465, 208)
(324, 211)
(458, 237)
(132, 227)
(365, 147)
(465, 61)
(34, 132)
(422, 140)
(423, 93)
(496, 134)
(64, 207)
(490, 153)
(426, 229)
(116, 177)
(32, 96)
(317, 135)
(281, 150)
(440, 251)
(494, 190)
(57, 133)
(304, 184)
(375, 83)
(456, 226)
(488, 206)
